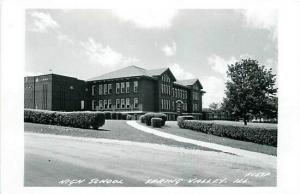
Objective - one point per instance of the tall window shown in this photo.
(93, 105)
(100, 90)
(122, 87)
(93, 90)
(127, 87)
(162, 103)
(100, 105)
(118, 88)
(135, 102)
(109, 103)
(118, 103)
(135, 86)
(105, 89)
(127, 102)
(122, 103)
(105, 104)
(109, 88)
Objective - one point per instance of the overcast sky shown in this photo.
(193, 43)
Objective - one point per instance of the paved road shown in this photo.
(52, 160)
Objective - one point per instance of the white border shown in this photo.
(12, 66)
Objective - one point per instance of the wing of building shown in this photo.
(131, 89)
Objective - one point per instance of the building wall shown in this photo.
(43, 92)
(144, 94)
(29, 87)
(67, 93)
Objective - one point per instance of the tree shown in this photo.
(214, 106)
(249, 89)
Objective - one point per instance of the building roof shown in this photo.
(130, 71)
(186, 82)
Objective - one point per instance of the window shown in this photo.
(122, 103)
(135, 86)
(109, 88)
(162, 103)
(127, 87)
(100, 90)
(82, 104)
(109, 103)
(100, 105)
(162, 88)
(118, 88)
(173, 105)
(105, 104)
(176, 92)
(93, 90)
(93, 104)
(118, 103)
(127, 102)
(135, 102)
(122, 87)
(173, 92)
(105, 89)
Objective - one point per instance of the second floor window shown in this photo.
(100, 90)
(109, 88)
(118, 88)
(93, 105)
(122, 87)
(127, 87)
(109, 103)
(93, 90)
(105, 89)
(135, 86)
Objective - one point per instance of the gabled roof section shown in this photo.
(130, 71)
(188, 82)
(156, 72)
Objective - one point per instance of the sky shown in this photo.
(192, 43)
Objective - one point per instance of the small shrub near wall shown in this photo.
(84, 120)
(180, 120)
(149, 116)
(156, 122)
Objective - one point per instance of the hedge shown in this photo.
(181, 119)
(84, 119)
(156, 122)
(142, 118)
(258, 135)
(149, 116)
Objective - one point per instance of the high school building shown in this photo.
(132, 89)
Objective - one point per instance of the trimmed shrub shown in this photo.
(107, 115)
(142, 118)
(84, 120)
(128, 117)
(180, 120)
(119, 116)
(114, 115)
(149, 116)
(255, 134)
(123, 116)
(156, 122)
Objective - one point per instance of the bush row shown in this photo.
(181, 119)
(116, 115)
(244, 133)
(84, 119)
(146, 118)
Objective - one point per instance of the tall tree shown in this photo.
(249, 89)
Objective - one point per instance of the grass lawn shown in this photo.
(239, 123)
(172, 128)
(113, 129)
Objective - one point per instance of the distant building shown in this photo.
(131, 89)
